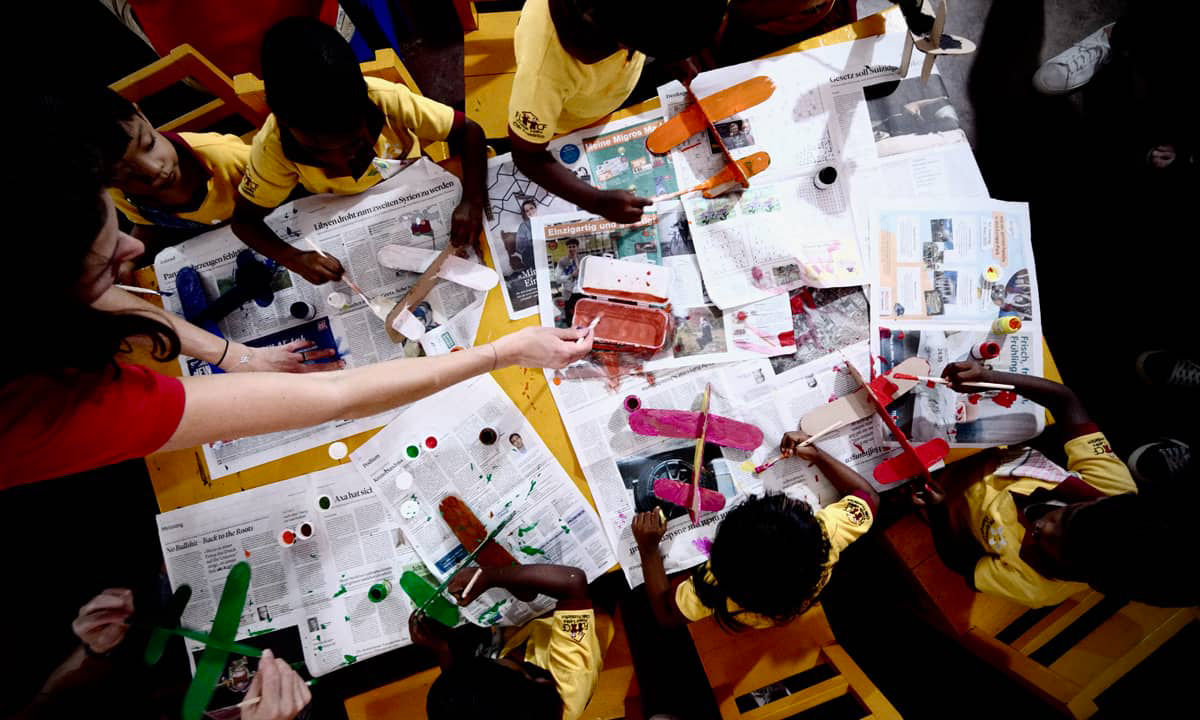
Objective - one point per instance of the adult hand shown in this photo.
(463, 579)
(465, 226)
(298, 356)
(540, 347)
(101, 622)
(789, 446)
(620, 205)
(281, 691)
(315, 268)
(966, 371)
(648, 529)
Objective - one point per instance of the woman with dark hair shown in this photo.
(71, 405)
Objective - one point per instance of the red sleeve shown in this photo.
(55, 427)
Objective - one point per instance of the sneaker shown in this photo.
(1159, 461)
(1072, 68)
(1163, 367)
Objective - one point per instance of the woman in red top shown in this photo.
(70, 406)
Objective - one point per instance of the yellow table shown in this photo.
(181, 478)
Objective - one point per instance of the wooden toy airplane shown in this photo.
(400, 321)
(872, 399)
(428, 599)
(701, 114)
(925, 27)
(471, 533)
(704, 427)
(726, 178)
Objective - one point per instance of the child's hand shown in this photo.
(928, 495)
(101, 623)
(790, 446)
(648, 529)
(428, 632)
(460, 582)
(465, 226)
(317, 269)
(966, 371)
(620, 206)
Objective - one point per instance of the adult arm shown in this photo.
(249, 224)
(535, 161)
(238, 405)
(203, 345)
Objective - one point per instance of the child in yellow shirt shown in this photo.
(1018, 526)
(328, 125)
(577, 61)
(169, 185)
(771, 557)
(546, 670)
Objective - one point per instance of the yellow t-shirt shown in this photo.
(843, 522)
(225, 158)
(408, 120)
(553, 92)
(566, 645)
(992, 514)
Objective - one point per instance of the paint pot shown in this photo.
(985, 350)
(338, 450)
(632, 402)
(1006, 325)
(379, 591)
(287, 537)
(825, 177)
(304, 530)
(409, 509)
(338, 300)
(404, 481)
(324, 502)
(303, 311)
(487, 436)
(991, 273)
(412, 451)
(431, 442)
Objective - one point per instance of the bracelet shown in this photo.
(223, 352)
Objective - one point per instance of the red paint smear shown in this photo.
(809, 300)
(930, 383)
(787, 338)
(247, 553)
(899, 335)
(973, 398)
(1005, 399)
(857, 446)
(832, 398)
(885, 333)
(431, 442)
(741, 316)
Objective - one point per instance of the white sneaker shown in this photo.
(1072, 68)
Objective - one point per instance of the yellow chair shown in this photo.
(386, 65)
(489, 65)
(1067, 654)
(183, 63)
(406, 698)
(805, 647)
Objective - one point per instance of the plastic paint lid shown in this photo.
(409, 509)
(632, 402)
(338, 450)
(324, 502)
(304, 531)
(404, 481)
(991, 273)
(287, 537)
(487, 436)
(337, 300)
(412, 451)
(431, 442)
(300, 310)
(828, 175)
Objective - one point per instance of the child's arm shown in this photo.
(536, 161)
(468, 141)
(248, 224)
(648, 529)
(1059, 399)
(845, 480)
(959, 556)
(566, 584)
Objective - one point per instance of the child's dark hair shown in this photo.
(481, 688)
(98, 114)
(311, 76)
(693, 24)
(768, 556)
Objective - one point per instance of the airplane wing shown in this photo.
(423, 594)
(906, 464)
(717, 106)
(169, 618)
(224, 630)
(680, 494)
(858, 405)
(471, 533)
(722, 431)
(454, 269)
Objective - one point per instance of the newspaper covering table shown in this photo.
(412, 208)
(434, 449)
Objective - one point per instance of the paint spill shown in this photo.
(1005, 398)
(247, 553)
(347, 618)
(528, 550)
(341, 591)
(748, 466)
(351, 659)
(489, 477)
(565, 529)
(974, 398)
(528, 528)
(703, 544)
(531, 484)
(263, 632)
(491, 616)
(413, 451)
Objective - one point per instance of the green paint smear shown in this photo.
(347, 618)
(565, 529)
(320, 647)
(531, 484)
(491, 616)
(532, 550)
(261, 632)
(528, 528)
(412, 451)
(489, 478)
(351, 659)
(341, 591)
(318, 637)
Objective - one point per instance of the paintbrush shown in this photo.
(767, 465)
(376, 306)
(943, 381)
(471, 584)
(590, 327)
(251, 702)
(142, 290)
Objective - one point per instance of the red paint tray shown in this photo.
(624, 292)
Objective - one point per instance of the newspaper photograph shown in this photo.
(700, 332)
(773, 238)
(614, 156)
(955, 261)
(824, 321)
(412, 208)
(471, 441)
